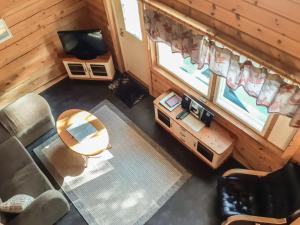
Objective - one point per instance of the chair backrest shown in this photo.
(280, 192)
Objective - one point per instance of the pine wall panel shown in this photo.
(32, 58)
(266, 28)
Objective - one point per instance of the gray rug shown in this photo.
(123, 186)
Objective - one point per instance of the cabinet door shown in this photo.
(76, 69)
(162, 118)
(101, 70)
(97, 70)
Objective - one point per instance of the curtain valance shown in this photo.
(269, 89)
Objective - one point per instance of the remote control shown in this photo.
(182, 115)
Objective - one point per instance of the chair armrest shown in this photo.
(46, 209)
(245, 172)
(239, 219)
(296, 222)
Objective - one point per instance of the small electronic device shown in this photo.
(198, 109)
(182, 114)
(185, 103)
(171, 101)
(207, 117)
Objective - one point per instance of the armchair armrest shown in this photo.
(297, 221)
(46, 209)
(245, 172)
(249, 220)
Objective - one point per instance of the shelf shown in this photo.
(101, 68)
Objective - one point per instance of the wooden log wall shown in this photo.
(99, 20)
(31, 58)
(269, 29)
(262, 29)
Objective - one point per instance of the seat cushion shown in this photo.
(238, 195)
(279, 192)
(18, 172)
(28, 180)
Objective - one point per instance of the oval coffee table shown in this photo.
(92, 145)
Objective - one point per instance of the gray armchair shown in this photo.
(21, 123)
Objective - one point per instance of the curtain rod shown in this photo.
(181, 18)
(212, 34)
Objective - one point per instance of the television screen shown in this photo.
(83, 44)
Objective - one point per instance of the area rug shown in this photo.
(123, 186)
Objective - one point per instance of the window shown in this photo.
(5, 33)
(241, 105)
(184, 69)
(131, 16)
(236, 102)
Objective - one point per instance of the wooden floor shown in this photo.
(194, 204)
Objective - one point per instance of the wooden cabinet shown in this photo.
(101, 68)
(213, 144)
(76, 69)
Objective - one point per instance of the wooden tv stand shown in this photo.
(101, 68)
(212, 144)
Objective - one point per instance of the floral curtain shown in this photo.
(270, 90)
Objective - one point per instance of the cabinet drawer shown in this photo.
(183, 135)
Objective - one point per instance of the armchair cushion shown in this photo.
(18, 172)
(279, 192)
(238, 195)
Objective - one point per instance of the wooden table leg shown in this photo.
(86, 161)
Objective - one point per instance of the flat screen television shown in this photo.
(83, 44)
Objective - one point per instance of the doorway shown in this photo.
(132, 38)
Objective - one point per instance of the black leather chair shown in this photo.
(249, 197)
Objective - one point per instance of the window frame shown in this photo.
(210, 86)
(217, 93)
(211, 97)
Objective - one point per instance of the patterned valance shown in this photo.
(269, 89)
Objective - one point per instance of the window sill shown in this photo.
(223, 118)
